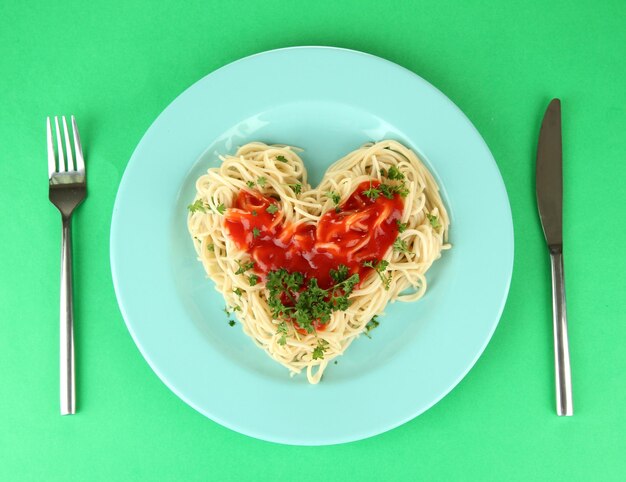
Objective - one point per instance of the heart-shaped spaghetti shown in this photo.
(306, 270)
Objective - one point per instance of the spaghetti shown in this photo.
(306, 270)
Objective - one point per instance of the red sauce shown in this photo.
(362, 230)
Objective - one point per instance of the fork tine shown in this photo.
(68, 147)
(51, 161)
(59, 146)
(80, 161)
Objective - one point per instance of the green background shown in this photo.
(116, 65)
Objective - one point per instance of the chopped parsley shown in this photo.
(197, 205)
(256, 232)
(372, 192)
(261, 181)
(282, 331)
(230, 322)
(272, 208)
(380, 267)
(373, 323)
(334, 196)
(400, 245)
(238, 291)
(340, 274)
(221, 209)
(394, 174)
(210, 247)
(434, 221)
(402, 190)
(236, 308)
(253, 279)
(291, 299)
(297, 188)
(402, 226)
(281, 158)
(387, 190)
(250, 184)
(320, 349)
(254, 213)
(244, 267)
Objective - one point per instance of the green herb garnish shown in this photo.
(394, 174)
(290, 298)
(250, 184)
(281, 158)
(387, 190)
(261, 181)
(372, 192)
(320, 349)
(334, 196)
(254, 213)
(282, 331)
(238, 291)
(297, 188)
(373, 323)
(401, 226)
(380, 267)
(434, 221)
(244, 267)
(340, 274)
(272, 208)
(221, 209)
(210, 247)
(256, 232)
(197, 205)
(402, 190)
(230, 322)
(400, 245)
(253, 279)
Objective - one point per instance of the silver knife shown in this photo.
(550, 203)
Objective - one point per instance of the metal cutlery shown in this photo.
(549, 180)
(67, 190)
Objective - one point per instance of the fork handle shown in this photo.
(563, 377)
(68, 395)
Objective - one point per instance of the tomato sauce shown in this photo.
(360, 230)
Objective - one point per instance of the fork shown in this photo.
(67, 190)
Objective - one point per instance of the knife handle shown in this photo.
(564, 404)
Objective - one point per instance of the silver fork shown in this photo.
(68, 188)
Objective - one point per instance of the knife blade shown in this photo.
(549, 186)
(549, 176)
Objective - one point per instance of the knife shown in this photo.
(549, 180)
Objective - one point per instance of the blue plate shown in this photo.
(327, 101)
